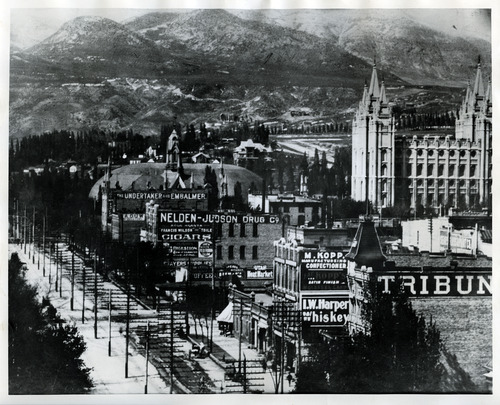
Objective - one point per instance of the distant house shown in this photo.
(250, 150)
(201, 158)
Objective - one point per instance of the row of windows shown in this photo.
(243, 254)
(440, 172)
(441, 183)
(242, 233)
(286, 277)
(285, 253)
(440, 152)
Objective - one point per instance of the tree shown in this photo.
(399, 353)
(44, 355)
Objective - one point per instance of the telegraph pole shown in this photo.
(109, 324)
(83, 294)
(43, 242)
(171, 349)
(33, 236)
(24, 228)
(57, 267)
(95, 294)
(147, 356)
(71, 302)
(127, 327)
(60, 274)
(212, 314)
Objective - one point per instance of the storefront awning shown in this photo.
(262, 324)
(227, 314)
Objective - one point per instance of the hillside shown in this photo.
(197, 65)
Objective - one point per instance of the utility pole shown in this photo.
(43, 242)
(33, 237)
(60, 274)
(171, 349)
(24, 228)
(213, 291)
(127, 326)
(50, 265)
(72, 300)
(147, 357)
(95, 294)
(244, 374)
(239, 334)
(57, 268)
(83, 294)
(283, 342)
(109, 323)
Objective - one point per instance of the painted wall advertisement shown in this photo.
(439, 283)
(185, 235)
(324, 270)
(325, 311)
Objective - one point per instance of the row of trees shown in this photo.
(425, 121)
(81, 146)
(44, 354)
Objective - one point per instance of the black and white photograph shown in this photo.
(249, 200)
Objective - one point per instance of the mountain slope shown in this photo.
(96, 39)
(400, 44)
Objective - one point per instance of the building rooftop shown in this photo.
(140, 175)
(366, 249)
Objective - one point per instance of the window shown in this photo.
(255, 252)
(419, 169)
(231, 230)
(230, 252)
(440, 170)
(472, 170)
(286, 208)
(430, 169)
(461, 170)
(242, 252)
(242, 231)
(451, 170)
(219, 252)
(255, 232)
(219, 230)
(301, 208)
(383, 155)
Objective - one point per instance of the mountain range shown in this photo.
(196, 65)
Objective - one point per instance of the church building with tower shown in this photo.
(391, 166)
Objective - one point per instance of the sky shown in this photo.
(31, 25)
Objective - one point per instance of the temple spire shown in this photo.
(383, 96)
(478, 84)
(374, 90)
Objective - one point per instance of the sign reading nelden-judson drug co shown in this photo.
(189, 234)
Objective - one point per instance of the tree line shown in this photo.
(399, 352)
(44, 353)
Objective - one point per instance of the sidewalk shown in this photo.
(108, 373)
(226, 350)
